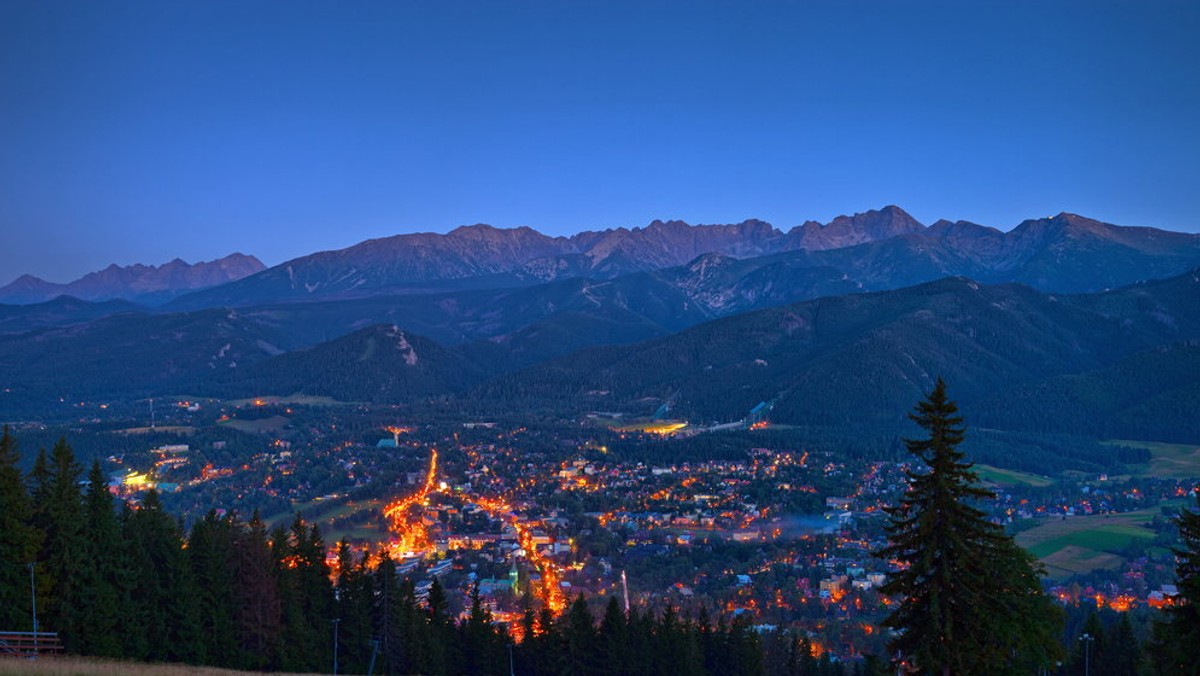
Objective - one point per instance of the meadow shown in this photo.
(1080, 544)
(1167, 461)
(260, 426)
(1011, 477)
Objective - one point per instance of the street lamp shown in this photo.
(1087, 639)
(335, 645)
(33, 604)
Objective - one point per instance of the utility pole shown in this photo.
(33, 604)
(511, 671)
(1087, 639)
(374, 653)
(335, 646)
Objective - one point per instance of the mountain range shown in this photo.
(149, 284)
(481, 256)
(875, 250)
(1062, 326)
(879, 249)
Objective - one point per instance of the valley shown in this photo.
(713, 432)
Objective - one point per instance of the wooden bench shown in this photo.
(29, 644)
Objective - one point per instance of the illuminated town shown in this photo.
(781, 535)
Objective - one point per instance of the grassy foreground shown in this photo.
(85, 666)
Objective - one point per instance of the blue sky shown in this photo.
(141, 131)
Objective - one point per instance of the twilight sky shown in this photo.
(135, 132)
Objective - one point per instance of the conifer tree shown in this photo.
(58, 514)
(970, 601)
(100, 575)
(613, 638)
(482, 648)
(162, 618)
(136, 612)
(209, 552)
(1177, 641)
(307, 601)
(1124, 652)
(438, 630)
(18, 540)
(412, 652)
(579, 636)
(353, 592)
(256, 598)
(533, 655)
(641, 630)
(387, 615)
(674, 650)
(745, 648)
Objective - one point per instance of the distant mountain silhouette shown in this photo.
(148, 284)
(875, 250)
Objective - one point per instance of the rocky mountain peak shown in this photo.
(843, 231)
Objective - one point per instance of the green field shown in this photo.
(1071, 560)
(372, 535)
(1080, 544)
(273, 424)
(324, 512)
(1011, 477)
(1168, 461)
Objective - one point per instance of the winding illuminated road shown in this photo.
(410, 531)
(412, 537)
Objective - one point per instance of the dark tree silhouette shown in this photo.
(1177, 641)
(969, 598)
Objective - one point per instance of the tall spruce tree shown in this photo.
(161, 618)
(100, 574)
(306, 595)
(1177, 641)
(613, 639)
(579, 636)
(354, 600)
(387, 614)
(481, 646)
(58, 514)
(18, 540)
(969, 598)
(256, 598)
(1125, 653)
(210, 557)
